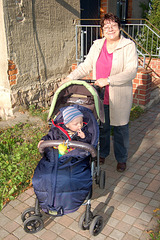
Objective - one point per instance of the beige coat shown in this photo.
(123, 71)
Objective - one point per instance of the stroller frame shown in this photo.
(32, 217)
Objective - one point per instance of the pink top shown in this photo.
(103, 68)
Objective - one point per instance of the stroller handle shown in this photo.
(87, 80)
(74, 144)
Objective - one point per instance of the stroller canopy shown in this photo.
(80, 93)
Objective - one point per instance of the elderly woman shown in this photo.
(114, 62)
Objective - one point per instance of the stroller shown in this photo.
(63, 185)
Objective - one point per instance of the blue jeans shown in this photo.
(120, 139)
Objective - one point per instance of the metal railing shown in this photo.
(146, 37)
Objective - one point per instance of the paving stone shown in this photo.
(146, 216)
(148, 193)
(21, 207)
(117, 235)
(23, 196)
(11, 226)
(123, 227)
(6, 209)
(107, 230)
(30, 201)
(19, 232)
(129, 202)
(30, 191)
(14, 202)
(138, 190)
(140, 224)
(138, 177)
(129, 237)
(48, 235)
(3, 233)
(79, 237)
(31, 237)
(68, 234)
(112, 222)
(135, 232)
(10, 237)
(57, 228)
(128, 186)
(100, 237)
(122, 207)
(12, 214)
(3, 220)
(134, 212)
(74, 226)
(65, 221)
(154, 203)
(129, 219)
(153, 186)
(118, 214)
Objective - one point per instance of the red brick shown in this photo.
(12, 77)
(11, 67)
(13, 82)
(136, 81)
(143, 102)
(135, 101)
(143, 87)
(141, 97)
(135, 91)
(144, 92)
(10, 62)
(12, 72)
(134, 85)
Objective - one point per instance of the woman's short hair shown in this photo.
(111, 17)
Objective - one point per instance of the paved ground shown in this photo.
(126, 203)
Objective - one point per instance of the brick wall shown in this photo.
(141, 86)
(12, 73)
(155, 67)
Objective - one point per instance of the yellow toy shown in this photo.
(62, 148)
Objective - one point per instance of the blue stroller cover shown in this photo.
(62, 185)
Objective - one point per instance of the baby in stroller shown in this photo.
(63, 182)
(72, 128)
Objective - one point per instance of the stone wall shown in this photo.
(41, 44)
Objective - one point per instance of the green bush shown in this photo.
(19, 156)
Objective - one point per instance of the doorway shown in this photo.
(90, 9)
(122, 6)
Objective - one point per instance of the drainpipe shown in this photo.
(5, 95)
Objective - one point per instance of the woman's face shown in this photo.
(111, 30)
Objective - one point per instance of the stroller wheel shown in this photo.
(83, 224)
(33, 224)
(27, 213)
(96, 225)
(102, 179)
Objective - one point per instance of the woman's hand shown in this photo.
(101, 82)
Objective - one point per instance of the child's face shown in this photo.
(76, 124)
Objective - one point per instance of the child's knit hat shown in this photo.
(71, 113)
